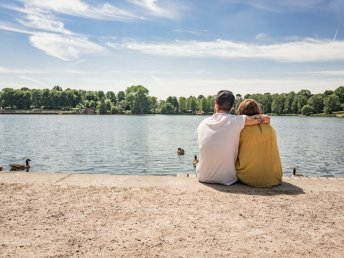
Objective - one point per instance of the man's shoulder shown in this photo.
(220, 118)
(206, 120)
(240, 119)
(203, 124)
(236, 117)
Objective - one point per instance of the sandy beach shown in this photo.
(62, 215)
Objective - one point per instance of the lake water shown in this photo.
(146, 145)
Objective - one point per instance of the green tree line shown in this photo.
(136, 100)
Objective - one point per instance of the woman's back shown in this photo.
(258, 162)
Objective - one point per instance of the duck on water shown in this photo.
(195, 161)
(296, 174)
(18, 167)
(180, 151)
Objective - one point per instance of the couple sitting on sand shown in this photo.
(242, 146)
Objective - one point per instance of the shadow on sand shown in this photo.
(239, 188)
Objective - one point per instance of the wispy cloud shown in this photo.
(35, 18)
(38, 19)
(255, 4)
(48, 34)
(82, 9)
(64, 47)
(193, 32)
(329, 73)
(8, 70)
(13, 28)
(287, 5)
(307, 50)
(34, 80)
(105, 11)
(302, 4)
(261, 36)
(167, 11)
(48, 72)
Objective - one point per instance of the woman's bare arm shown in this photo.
(257, 119)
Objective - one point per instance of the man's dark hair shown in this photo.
(225, 100)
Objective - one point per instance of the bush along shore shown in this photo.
(136, 100)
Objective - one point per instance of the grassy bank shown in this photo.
(39, 112)
(334, 114)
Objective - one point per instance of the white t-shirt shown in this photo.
(218, 142)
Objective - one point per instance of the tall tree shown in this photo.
(101, 94)
(137, 98)
(301, 100)
(174, 102)
(316, 102)
(331, 104)
(290, 104)
(238, 99)
(46, 102)
(102, 108)
(120, 96)
(327, 93)
(307, 110)
(340, 93)
(306, 93)
(111, 96)
(91, 95)
(92, 104)
(153, 104)
(277, 105)
(203, 105)
(70, 98)
(57, 87)
(166, 107)
(1, 101)
(23, 99)
(192, 103)
(55, 98)
(210, 100)
(182, 104)
(8, 97)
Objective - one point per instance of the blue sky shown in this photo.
(174, 48)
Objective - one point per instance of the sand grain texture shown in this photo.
(56, 215)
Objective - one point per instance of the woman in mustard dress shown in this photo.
(258, 162)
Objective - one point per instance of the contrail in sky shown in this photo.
(335, 35)
(33, 80)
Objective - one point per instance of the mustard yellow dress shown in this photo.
(258, 162)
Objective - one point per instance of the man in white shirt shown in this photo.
(218, 141)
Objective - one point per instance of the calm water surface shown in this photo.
(147, 144)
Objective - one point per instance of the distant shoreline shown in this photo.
(339, 114)
(28, 112)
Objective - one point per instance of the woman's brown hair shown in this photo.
(249, 107)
